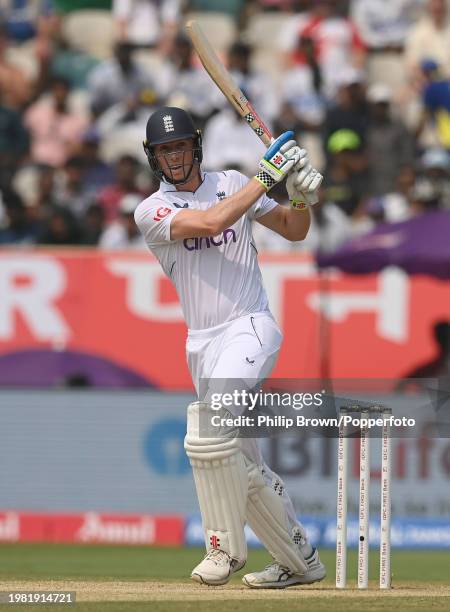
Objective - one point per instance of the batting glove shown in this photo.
(303, 185)
(282, 155)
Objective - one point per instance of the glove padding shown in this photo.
(303, 182)
(280, 158)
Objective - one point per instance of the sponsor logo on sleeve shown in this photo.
(161, 213)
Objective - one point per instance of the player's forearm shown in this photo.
(297, 224)
(279, 159)
(226, 213)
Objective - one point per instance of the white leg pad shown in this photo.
(266, 515)
(221, 480)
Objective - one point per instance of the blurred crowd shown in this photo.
(365, 85)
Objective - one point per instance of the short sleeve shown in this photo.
(153, 218)
(261, 207)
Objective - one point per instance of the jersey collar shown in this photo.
(168, 188)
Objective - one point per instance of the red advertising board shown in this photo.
(92, 528)
(120, 309)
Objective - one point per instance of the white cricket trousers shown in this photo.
(244, 349)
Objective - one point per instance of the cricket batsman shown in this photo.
(199, 226)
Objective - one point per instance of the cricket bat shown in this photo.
(225, 83)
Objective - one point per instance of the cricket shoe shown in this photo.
(216, 568)
(275, 576)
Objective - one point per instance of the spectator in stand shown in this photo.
(22, 17)
(302, 102)
(109, 198)
(123, 233)
(18, 230)
(93, 225)
(59, 58)
(436, 102)
(384, 24)
(147, 23)
(429, 38)
(229, 143)
(290, 33)
(351, 111)
(97, 173)
(115, 80)
(60, 228)
(56, 57)
(336, 40)
(190, 86)
(56, 130)
(435, 165)
(425, 197)
(330, 226)
(44, 200)
(14, 142)
(346, 178)
(70, 192)
(396, 204)
(390, 146)
(257, 84)
(14, 84)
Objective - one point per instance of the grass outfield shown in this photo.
(113, 578)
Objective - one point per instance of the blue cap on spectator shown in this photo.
(429, 65)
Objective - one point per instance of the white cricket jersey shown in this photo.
(218, 278)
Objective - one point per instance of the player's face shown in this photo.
(176, 158)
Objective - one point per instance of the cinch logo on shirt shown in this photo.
(197, 244)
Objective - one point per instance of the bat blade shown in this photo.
(225, 83)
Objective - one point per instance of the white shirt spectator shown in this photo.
(228, 141)
(142, 19)
(427, 41)
(115, 238)
(337, 42)
(117, 235)
(108, 85)
(258, 87)
(288, 37)
(384, 23)
(298, 91)
(334, 229)
(193, 90)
